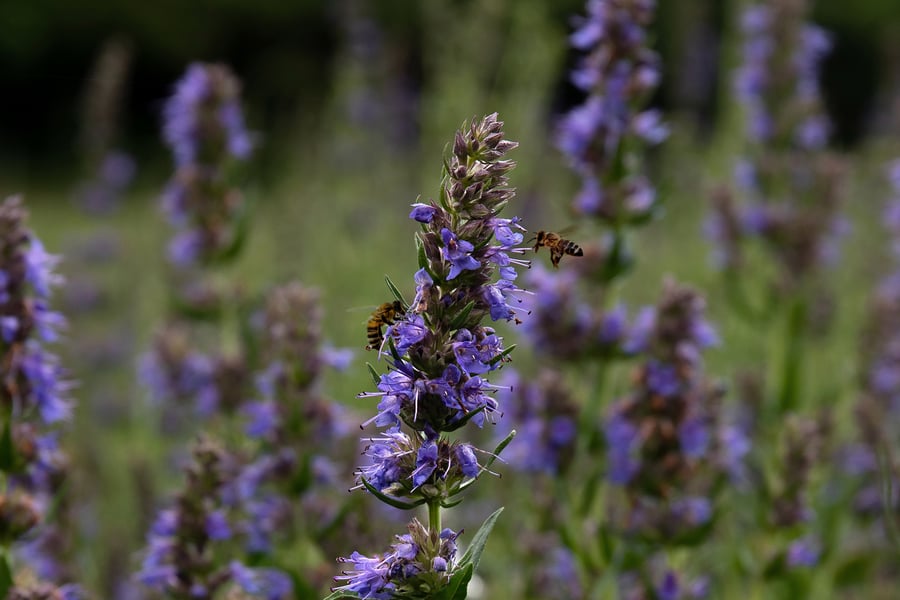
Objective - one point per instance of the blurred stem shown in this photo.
(888, 494)
(434, 516)
(230, 325)
(795, 332)
(589, 441)
(736, 295)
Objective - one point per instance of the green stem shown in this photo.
(6, 576)
(793, 357)
(434, 516)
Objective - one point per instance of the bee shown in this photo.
(558, 246)
(383, 315)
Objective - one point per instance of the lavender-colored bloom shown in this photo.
(426, 462)
(408, 332)
(693, 511)
(669, 588)
(458, 253)
(217, 526)
(204, 127)
(467, 461)
(640, 331)
(793, 192)
(622, 442)
(270, 584)
(390, 462)
(39, 266)
(423, 213)
(619, 72)
(663, 379)
(613, 326)
(693, 435)
(368, 578)
(263, 418)
(205, 103)
(49, 389)
(804, 552)
(9, 326)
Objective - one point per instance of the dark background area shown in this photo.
(284, 52)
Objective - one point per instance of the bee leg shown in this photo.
(555, 255)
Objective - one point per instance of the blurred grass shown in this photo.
(331, 212)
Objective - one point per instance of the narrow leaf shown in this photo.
(7, 452)
(473, 552)
(458, 588)
(446, 504)
(502, 355)
(500, 448)
(340, 594)
(390, 499)
(460, 318)
(420, 252)
(6, 577)
(395, 291)
(375, 376)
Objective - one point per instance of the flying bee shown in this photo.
(383, 315)
(558, 246)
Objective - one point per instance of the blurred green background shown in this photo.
(352, 102)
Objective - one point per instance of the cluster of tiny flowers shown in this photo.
(778, 82)
(552, 572)
(204, 127)
(545, 417)
(878, 409)
(619, 72)
(438, 353)
(882, 347)
(45, 591)
(566, 326)
(662, 584)
(176, 374)
(662, 438)
(114, 174)
(292, 421)
(34, 390)
(420, 556)
(184, 555)
(804, 440)
(792, 186)
(110, 170)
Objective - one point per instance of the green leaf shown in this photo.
(6, 577)
(460, 318)
(390, 499)
(502, 355)
(395, 291)
(500, 448)
(473, 552)
(445, 504)
(462, 422)
(7, 452)
(420, 252)
(241, 230)
(854, 571)
(376, 378)
(302, 589)
(340, 594)
(458, 588)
